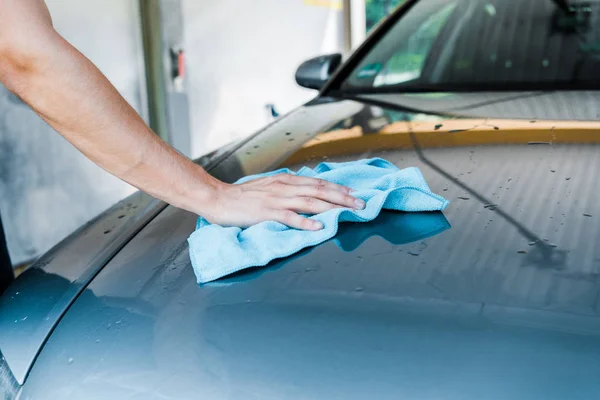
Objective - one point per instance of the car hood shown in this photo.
(496, 297)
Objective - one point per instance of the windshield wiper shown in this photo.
(475, 87)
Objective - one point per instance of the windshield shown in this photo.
(455, 44)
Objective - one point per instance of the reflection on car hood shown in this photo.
(497, 297)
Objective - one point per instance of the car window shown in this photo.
(446, 43)
(407, 62)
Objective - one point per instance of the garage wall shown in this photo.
(47, 188)
(242, 55)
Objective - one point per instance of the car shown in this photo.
(497, 297)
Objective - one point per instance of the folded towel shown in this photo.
(218, 251)
(392, 226)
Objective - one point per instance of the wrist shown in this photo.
(202, 195)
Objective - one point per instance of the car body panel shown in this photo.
(498, 297)
(33, 304)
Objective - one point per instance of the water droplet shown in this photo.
(359, 289)
(335, 261)
(290, 140)
(288, 133)
(97, 340)
(568, 179)
(463, 198)
(445, 190)
(587, 215)
(533, 243)
(553, 170)
(121, 216)
(553, 245)
(70, 360)
(256, 147)
(24, 318)
(438, 126)
(490, 206)
(522, 252)
(413, 253)
(107, 231)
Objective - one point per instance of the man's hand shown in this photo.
(279, 198)
(73, 96)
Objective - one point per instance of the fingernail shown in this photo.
(318, 225)
(360, 204)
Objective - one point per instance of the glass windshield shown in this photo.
(445, 44)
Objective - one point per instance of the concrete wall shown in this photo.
(48, 189)
(242, 55)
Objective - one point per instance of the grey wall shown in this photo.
(243, 54)
(240, 56)
(48, 189)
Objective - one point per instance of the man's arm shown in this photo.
(73, 96)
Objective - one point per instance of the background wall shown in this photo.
(47, 188)
(243, 55)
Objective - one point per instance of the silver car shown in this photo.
(498, 297)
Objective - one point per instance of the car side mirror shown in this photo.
(314, 73)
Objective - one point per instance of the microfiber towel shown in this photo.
(217, 251)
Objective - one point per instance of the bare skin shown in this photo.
(72, 95)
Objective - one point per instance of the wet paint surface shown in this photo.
(504, 304)
(33, 304)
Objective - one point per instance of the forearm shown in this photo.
(71, 94)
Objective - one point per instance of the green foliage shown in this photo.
(379, 9)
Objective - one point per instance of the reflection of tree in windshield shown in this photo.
(379, 9)
(473, 45)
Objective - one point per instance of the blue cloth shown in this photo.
(218, 251)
